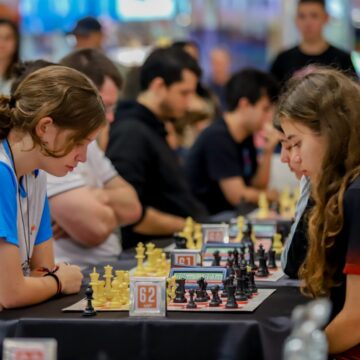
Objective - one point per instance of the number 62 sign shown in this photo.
(147, 296)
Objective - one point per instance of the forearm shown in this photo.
(156, 222)
(29, 291)
(343, 333)
(262, 176)
(89, 228)
(125, 203)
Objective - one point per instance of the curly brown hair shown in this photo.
(328, 103)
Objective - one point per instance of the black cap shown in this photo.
(86, 25)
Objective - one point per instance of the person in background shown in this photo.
(89, 204)
(42, 129)
(311, 18)
(9, 53)
(139, 151)
(105, 75)
(88, 33)
(320, 116)
(220, 72)
(222, 166)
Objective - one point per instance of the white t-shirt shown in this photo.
(95, 172)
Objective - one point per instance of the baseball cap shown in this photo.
(86, 25)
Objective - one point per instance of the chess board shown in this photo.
(243, 306)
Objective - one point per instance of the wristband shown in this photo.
(51, 273)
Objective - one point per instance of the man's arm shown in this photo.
(262, 176)
(123, 200)
(156, 222)
(235, 191)
(84, 214)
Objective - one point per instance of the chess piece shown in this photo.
(89, 310)
(251, 261)
(180, 291)
(215, 300)
(201, 293)
(191, 304)
(140, 256)
(231, 301)
(198, 236)
(240, 294)
(246, 240)
(94, 283)
(224, 293)
(271, 260)
(263, 206)
(108, 276)
(262, 271)
(277, 244)
(171, 288)
(252, 285)
(240, 226)
(180, 241)
(217, 258)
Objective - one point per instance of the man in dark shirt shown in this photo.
(314, 49)
(139, 151)
(222, 165)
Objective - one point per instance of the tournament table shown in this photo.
(181, 335)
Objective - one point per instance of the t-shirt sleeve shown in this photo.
(8, 205)
(352, 228)
(57, 185)
(105, 169)
(45, 231)
(129, 153)
(221, 157)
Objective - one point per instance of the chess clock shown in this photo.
(184, 257)
(147, 296)
(212, 275)
(30, 348)
(215, 233)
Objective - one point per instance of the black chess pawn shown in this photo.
(240, 294)
(231, 301)
(217, 258)
(252, 285)
(215, 300)
(191, 304)
(201, 294)
(180, 291)
(89, 310)
(180, 241)
(271, 260)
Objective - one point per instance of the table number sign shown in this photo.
(183, 257)
(30, 349)
(147, 296)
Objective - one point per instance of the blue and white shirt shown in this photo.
(31, 190)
